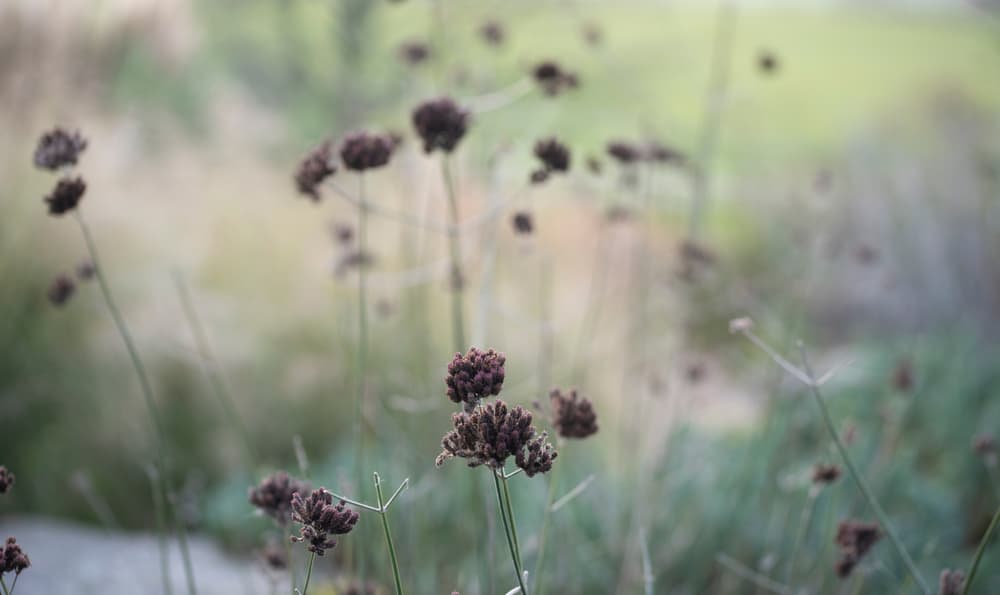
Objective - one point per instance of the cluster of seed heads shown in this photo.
(320, 519)
(855, 539)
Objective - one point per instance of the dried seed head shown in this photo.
(553, 154)
(66, 195)
(440, 123)
(491, 434)
(825, 474)
(902, 376)
(592, 34)
(476, 375)
(984, 444)
(343, 233)
(6, 480)
(594, 165)
(951, 582)
(767, 62)
(624, 152)
(740, 325)
(273, 496)
(537, 456)
(414, 53)
(523, 222)
(13, 558)
(314, 168)
(274, 557)
(86, 270)
(553, 79)
(660, 153)
(58, 148)
(492, 33)
(538, 176)
(361, 151)
(320, 519)
(572, 416)
(62, 288)
(855, 539)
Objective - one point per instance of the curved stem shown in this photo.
(309, 572)
(455, 252)
(147, 390)
(983, 543)
(859, 479)
(388, 535)
(507, 532)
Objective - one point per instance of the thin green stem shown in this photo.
(719, 75)
(3, 585)
(804, 521)
(144, 382)
(388, 535)
(309, 572)
(361, 369)
(159, 510)
(211, 366)
(288, 557)
(543, 535)
(859, 479)
(455, 252)
(513, 523)
(507, 531)
(983, 543)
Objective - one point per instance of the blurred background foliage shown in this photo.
(854, 205)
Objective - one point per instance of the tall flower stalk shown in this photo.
(743, 326)
(456, 277)
(983, 543)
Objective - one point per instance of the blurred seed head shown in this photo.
(572, 416)
(273, 496)
(86, 270)
(343, 233)
(440, 123)
(414, 53)
(315, 167)
(58, 148)
(740, 325)
(592, 34)
(66, 195)
(492, 33)
(538, 176)
(554, 155)
(13, 558)
(274, 557)
(362, 150)
(6, 480)
(985, 446)
(657, 152)
(553, 79)
(903, 376)
(320, 519)
(61, 290)
(767, 62)
(855, 539)
(523, 222)
(951, 582)
(594, 165)
(624, 152)
(825, 474)
(476, 375)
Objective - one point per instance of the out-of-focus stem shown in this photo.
(542, 538)
(983, 543)
(859, 479)
(719, 74)
(211, 366)
(309, 572)
(455, 251)
(147, 392)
